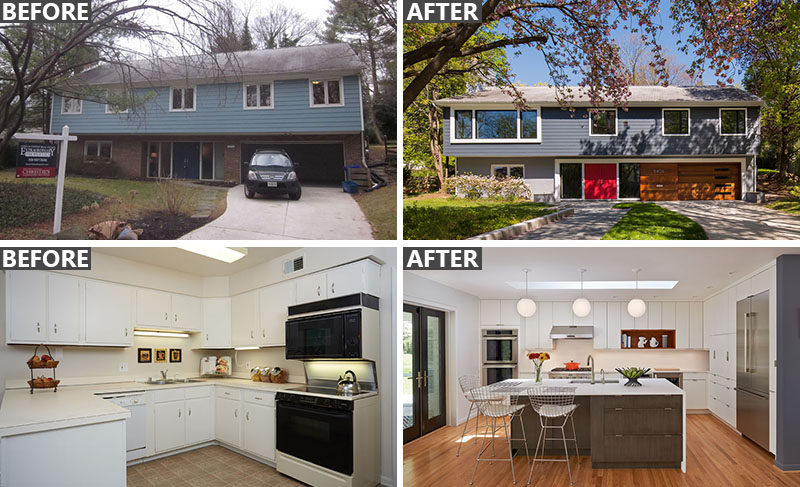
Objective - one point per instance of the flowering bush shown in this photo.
(472, 187)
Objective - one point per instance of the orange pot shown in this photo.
(572, 365)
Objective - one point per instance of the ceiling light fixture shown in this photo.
(592, 285)
(526, 307)
(245, 348)
(228, 255)
(581, 306)
(167, 334)
(636, 307)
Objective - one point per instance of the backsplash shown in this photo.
(264, 357)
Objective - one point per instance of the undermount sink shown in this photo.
(589, 381)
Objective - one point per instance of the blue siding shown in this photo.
(639, 134)
(219, 111)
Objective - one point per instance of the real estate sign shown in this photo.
(37, 159)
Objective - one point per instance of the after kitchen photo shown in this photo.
(201, 365)
(610, 366)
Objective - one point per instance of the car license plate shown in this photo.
(272, 184)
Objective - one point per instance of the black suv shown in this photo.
(271, 172)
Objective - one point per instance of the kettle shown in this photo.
(346, 386)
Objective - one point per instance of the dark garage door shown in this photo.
(317, 163)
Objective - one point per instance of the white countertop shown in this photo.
(649, 387)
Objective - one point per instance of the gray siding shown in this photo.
(639, 134)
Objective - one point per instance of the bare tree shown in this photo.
(283, 26)
(641, 63)
(225, 21)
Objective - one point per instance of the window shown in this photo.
(183, 100)
(257, 96)
(603, 122)
(463, 124)
(97, 150)
(675, 121)
(159, 160)
(500, 125)
(732, 121)
(629, 180)
(326, 92)
(529, 123)
(496, 124)
(71, 106)
(115, 102)
(508, 171)
(571, 181)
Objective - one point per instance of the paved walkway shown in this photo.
(206, 203)
(738, 220)
(323, 212)
(592, 219)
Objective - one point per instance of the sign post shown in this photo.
(24, 159)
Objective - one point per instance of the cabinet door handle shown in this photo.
(715, 354)
(251, 333)
(618, 436)
(235, 413)
(206, 336)
(247, 415)
(126, 332)
(176, 317)
(617, 409)
(55, 328)
(263, 334)
(667, 409)
(727, 356)
(38, 327)
(332, 291)
(190, 411)
(257, 398)
(179, 413)
(166, 316)
(318, 290)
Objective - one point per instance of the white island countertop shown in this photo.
(649, 387)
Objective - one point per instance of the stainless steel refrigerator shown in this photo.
(752, 368)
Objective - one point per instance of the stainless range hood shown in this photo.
(572, 331)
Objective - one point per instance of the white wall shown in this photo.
(462, 335)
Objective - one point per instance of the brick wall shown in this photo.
(127, 158)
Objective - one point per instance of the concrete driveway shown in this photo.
(738, 220)
(322, 213)
(592, 219)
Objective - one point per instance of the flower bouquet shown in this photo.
(538, 359)
(633, 374)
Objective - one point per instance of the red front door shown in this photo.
(600, 181)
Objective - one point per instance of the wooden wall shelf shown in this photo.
(648, 335)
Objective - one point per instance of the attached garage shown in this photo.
(690, 181)
(316, 162)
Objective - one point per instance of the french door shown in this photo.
(424, 392)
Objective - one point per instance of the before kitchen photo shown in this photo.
(609, 366)
(201, 365)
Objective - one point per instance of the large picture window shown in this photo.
(603, 122)
(733, 121)
(675, 121)
(571, 181)
(496, 124)
(499, 125)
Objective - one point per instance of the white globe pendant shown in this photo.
(637, 308)
(526, 307)
(581, 307)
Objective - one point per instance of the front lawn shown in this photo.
(450, 218)
(380, 208)
(648, 221)
(787, 206)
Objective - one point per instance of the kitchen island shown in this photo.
(618, 426)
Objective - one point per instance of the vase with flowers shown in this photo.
(538, 359)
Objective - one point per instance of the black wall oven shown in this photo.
(316, 429)
(328, 336)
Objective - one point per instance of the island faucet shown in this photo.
(590, 362)
(602, 376)
(164, 374)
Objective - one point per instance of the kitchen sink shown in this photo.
(172, 381)
(589, 381)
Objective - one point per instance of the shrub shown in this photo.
(174, 197)
(420, 181)
(8, 158)
(471, 186)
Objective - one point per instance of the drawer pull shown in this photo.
(617, 436)
(617, 409)
(256, 398)
(667, 409)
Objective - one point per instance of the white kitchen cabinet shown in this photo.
(627, 322)
(730, 357)
(357, 277)
(310, 288)
(696, 331)
(600, 319)
(244, 319)
(490, 312)
(216, 323)
(109, 314)
(614, 313)
(508, 313)
(641, 323)
(258, 431)
(186, 313)
(169, 421)
(545, 312)
(153, 309)
(26, 310)
(743, 290)
(681, 323)
(654, 310)
(763, 281)
(228, 420)
(696, 391)
(531, 330)
(199, 420)
(274, 302)
(562, 313)
(499, 312)
(64, 310)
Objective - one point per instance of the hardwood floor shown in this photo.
(716, 457)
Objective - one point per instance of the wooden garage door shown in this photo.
(709, 182)
(659, 182)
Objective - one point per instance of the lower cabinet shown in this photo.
(246, 419)
(170, 429)
(199, 420)
(722, 398)
(228, 421)
(259, 430)
(182, 417)
(695, 388)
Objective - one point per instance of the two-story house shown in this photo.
(668, 143)
(199, 117)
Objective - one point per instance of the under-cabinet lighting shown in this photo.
(593, 285)
(224, 254)
(168, 334)
(245, 348)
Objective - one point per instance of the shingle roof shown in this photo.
(640, 95)
(320, 58)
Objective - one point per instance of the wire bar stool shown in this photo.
(495, 403)
(556, 404)
(468, 383)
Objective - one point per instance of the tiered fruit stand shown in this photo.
(36, 363)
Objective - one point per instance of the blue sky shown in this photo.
(530, 68)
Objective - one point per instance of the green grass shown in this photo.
(450, 218)
(25, 203)
(380, 208)
(787, 206)
(767, 171)
(648, 221)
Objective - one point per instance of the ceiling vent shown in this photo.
(293, 265)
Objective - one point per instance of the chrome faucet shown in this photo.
(590, 362)
(164, 374)
(602, 376)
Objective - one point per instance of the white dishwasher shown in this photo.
(136, 425)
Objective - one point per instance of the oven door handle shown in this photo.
(316, 410)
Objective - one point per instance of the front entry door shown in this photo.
(186, 160)
(600, 181)
(423, 371)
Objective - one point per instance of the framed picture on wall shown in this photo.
(145, 355)
(161, 355)
(174, 354)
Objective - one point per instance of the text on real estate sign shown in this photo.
(37, 160)
(61, 11)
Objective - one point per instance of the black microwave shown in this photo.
(324, 336)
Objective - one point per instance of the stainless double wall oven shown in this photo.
(499, 354)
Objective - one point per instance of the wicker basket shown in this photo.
(280, 378)
(38, 382)
(50, 364)
(43, 384)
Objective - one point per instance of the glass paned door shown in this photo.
(424, 398)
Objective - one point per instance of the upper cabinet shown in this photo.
(186, 313)
(64, 310)
(162, 310)
(274, 302)
(26, 310)
(358, 277)
(216, 323)
(109, 314)
(500, 312)
(244, 319)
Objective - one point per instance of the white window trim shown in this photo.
(733, 109)
(663, 125)
(508, 168)
(616, 122)
(63, 106)
(183, 98)
(476, 140)
(98, 142)
(258, 95)
(111, 111)
(311, 103)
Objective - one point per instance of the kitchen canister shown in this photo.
(664, 341)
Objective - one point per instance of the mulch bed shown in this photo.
(159, 225)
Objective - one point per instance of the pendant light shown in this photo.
(636, 307)
(526, 307)
(581, 306)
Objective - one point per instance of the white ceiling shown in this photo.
(700, 271)
(190, 263)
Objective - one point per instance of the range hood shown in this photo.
(572, 331)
